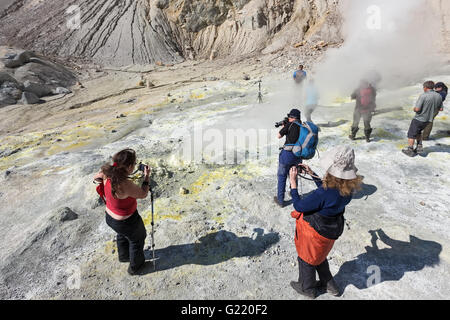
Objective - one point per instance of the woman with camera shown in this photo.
(121, 207)
(320, 218)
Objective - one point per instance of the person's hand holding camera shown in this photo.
(293, 173)
(307, 169)
(147, 172)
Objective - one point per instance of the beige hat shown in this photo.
(340, 162)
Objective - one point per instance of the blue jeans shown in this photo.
(287, 160)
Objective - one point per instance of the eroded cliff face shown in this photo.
(125, 32)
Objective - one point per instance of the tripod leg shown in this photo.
(153, 238)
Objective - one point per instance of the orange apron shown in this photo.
(311, 246)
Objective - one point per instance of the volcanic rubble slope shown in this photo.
(113, 33)
(25, 77)
(218, 234)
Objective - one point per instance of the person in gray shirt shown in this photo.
(427, 105)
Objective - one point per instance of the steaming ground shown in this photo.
(225, 239)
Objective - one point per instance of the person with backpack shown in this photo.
(120, 194)
(365, 97)
(427, 107)
(300, 74)
(301, 144)
(320, 219)
(442, 89)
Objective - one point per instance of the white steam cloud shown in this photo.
(397, 39)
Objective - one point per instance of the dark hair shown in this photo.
(441, 85)
(301, 66)
(429, 85)
(118, 171)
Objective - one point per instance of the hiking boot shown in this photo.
(409, 152)
(352, 136)
(298, 287)
(281, 205)
(136, 271)
(368, 133)
(419, 148)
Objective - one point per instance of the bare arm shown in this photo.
(132, 190)
(419, 105)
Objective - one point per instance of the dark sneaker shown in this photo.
(298, 287)
(281, 205)
(409, 152)
(352, 137)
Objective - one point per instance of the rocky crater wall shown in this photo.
(126, 32)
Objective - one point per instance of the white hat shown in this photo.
(340, 162)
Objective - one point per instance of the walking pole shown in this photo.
(153, 237)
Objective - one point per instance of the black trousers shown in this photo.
(307, 274)
(131, 236)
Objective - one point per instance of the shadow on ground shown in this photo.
(212, 249)
(387, 110)
(331, 124)
(392, 262)
(438, 148)
(440, 134)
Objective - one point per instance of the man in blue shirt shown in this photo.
(300, 74)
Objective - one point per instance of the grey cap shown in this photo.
(340, 163)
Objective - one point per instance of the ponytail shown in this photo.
(118, 171)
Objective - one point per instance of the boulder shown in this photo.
(29, 98)
(61, 90)
(66, 214)
(45, 74)
(39, 89)
(11, 91)
(6, 77)
(15, 60)
(6, 100)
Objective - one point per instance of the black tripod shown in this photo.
(260, 100)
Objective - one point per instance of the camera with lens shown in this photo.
(301, 169)
(282, 123)
(141, 167)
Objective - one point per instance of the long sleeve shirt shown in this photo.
(328, 203)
